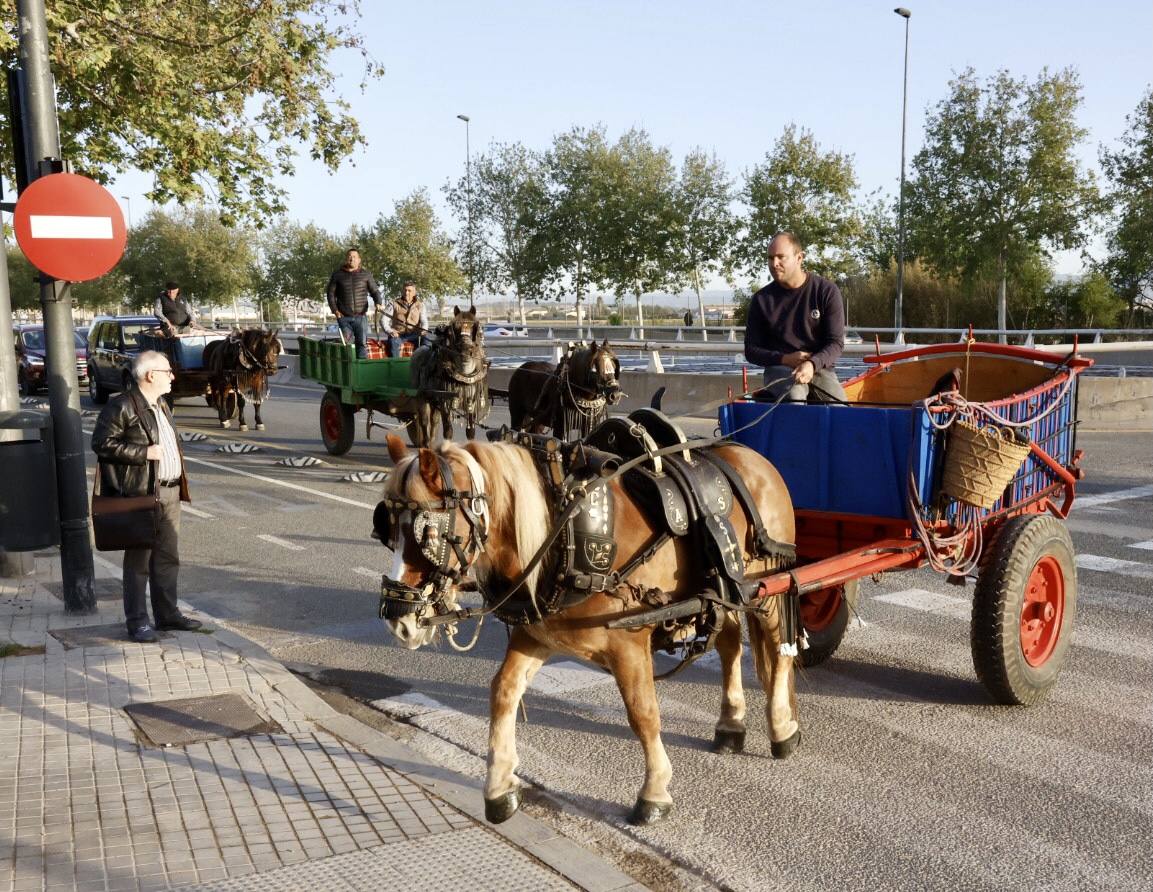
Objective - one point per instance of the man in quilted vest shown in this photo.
(408, 320)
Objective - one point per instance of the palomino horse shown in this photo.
(451, 376)
(240, 367)
(485, 510)
(574, 395)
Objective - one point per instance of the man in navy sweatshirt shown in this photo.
(796, 328)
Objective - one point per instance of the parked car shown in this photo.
(31, 349)
(853, 337)
(500, 330)
(112, 348)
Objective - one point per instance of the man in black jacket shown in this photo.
(136, 444)
(174, 312)
(796, 328)
(348, 293)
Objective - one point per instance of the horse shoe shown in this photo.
(499, 810)
(725, 742)
(782, 749)
(243, 427)
(646, 813)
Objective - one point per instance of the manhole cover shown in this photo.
(106, 589)
(181, 722)
(98, 636)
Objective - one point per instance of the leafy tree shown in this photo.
(213, 263)
(509, 204)
(997, 183)
(877, 243)
(104, 293)
(809, 192)
(704, 223)
(296, 263)
(410, 245)
(1087, 302)
(1129, 263)
(635, 191)
(211, 99)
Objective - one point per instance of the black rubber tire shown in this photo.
(337, 424)
(99, 394)
(823, 642)
(1024, 547)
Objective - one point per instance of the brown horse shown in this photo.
(451, 377)
(240, 367)
(573, 395)
(485, 509)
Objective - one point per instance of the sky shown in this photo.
(724, 76)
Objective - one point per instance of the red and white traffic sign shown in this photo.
(70, 227)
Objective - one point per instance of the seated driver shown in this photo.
(174, 312)
(796, 329)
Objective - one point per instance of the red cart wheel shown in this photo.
(1023, 609)
(825, 614)
(337, 429)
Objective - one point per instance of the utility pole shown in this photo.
(43, 133)
(468, 201)
(898, 305)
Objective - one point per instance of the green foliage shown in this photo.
(998, 182)
(409, 245)
(22, 280)
(1129, 261)
(1087, 302)
(705, 225)
(211, 99)
(809, 192)
(296, 263)
(213, 263)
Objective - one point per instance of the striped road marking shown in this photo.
(1137, 492)
(283, 543)
(1147, 545)
(1114, 565)
(562, 677)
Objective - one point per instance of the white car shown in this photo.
(853, 337)
(505, 331)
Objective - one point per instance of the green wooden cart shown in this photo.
(351, 384)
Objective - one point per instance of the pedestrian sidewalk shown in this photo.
(303, 797)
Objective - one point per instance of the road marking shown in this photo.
(412, 704)
(929, 602)
(559, 678)
(1147, 545)
(1114, 565)
(284, 483)
(365, 571)
(1137, 492)
(283, 543)
(196, 512)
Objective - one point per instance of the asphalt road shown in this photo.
(907, 777)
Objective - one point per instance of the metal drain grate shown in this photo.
(99, 636)
(181, 722)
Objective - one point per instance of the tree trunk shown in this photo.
(1001, 288)
(520, 309)
(640, 314)
(700, 304)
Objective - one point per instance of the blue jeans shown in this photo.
(355, 329)
(394, 344)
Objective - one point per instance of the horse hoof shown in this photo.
(226, 424)
(243, 427)
(646, 813)
(260, 427)
(728, 741)
(499, 810)
(785, 748)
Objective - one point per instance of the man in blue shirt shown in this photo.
(796, 328)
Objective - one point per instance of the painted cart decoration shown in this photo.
(186, 354)
(961, 457)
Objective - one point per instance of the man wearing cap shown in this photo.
(137, 447)
(173, 311)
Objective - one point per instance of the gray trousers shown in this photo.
(824, 388)
(155, 570)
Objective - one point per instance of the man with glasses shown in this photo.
(137, 447)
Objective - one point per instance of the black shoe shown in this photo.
(144, 635)
(180, 624)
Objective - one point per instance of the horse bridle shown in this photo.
(250, 360)
(434, 530)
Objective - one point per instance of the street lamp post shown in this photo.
(128, 206)
(898, 304)
(468, 201)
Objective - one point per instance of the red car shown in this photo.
(30, 350)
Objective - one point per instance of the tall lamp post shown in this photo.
(468, 201)
(128, 206)
(898, 304)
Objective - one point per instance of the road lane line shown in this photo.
(555, 679)
(1148, 545)
(283, 543)
(284, 483)
(196, 512)
(365, 571)
(1114, 565)
(1104, 498)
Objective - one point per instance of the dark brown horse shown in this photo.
(240, 366)
(484, 511)
(573, 395)
(451, 378)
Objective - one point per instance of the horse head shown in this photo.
(259, 349)
(596, 370)
(434, 517)
(464, 341)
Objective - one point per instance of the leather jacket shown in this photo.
(120, 440)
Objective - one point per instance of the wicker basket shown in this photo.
(980, 463)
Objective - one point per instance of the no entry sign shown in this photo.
(69, 227)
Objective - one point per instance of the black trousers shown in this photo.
(155, 570)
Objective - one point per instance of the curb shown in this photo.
(577, 865)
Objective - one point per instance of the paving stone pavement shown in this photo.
(88, 803)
